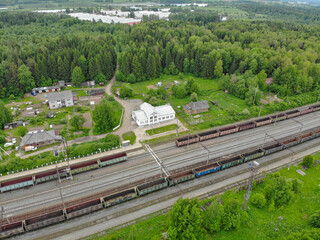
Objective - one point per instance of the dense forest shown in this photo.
(40, 49)
(31, 61)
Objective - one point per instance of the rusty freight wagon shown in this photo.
(11, 229)
(293, 113)
(279, 117)
(247, 125)
(44, 220)
(119, 197)
(187, 140)
(306, 110)
(228, 130)
(316, 107)
(306, 137)
(83, 208)
(291, 141)
(263, 121)
(49, 175)
(272, 148)
(209, 135)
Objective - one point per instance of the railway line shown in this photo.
(180, 161)
(75, 228)
(48, 196)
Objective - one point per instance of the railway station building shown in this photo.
(148, 115)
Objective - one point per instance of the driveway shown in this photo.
(129, 105)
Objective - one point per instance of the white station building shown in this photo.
(148, 115)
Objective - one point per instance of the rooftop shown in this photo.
(197, 105)
(60, 95)
(39, 136)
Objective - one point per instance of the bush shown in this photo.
(110, 98)
(315, 220)
(307, 161)
(2, 139)
(126, 91)
(21, 131)
(258, 200)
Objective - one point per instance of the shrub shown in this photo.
(21, 131)
(258, 200)
(307, 161)
(315, 220)
(2, 139)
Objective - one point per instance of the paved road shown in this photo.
(143, 165)
(108, 218)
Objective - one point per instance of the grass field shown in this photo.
(262, 222)
(129, 136)
(161, 129)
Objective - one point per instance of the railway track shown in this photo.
(101, 194)
(143, 173)
(238, 185)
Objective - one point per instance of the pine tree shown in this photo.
(137, 68)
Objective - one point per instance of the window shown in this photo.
(171, 116)
(167, 117)
(53, 106)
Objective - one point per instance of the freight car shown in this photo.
(119, 197)
(228, 130)
(44, 220)
(245, 126)
(279, 117)
(187, 140)
(83, 208)
(206, 169)
(16, 184)
(49, 175)
(263, 121)
(293, 113)
(152, 186)
(125, 195)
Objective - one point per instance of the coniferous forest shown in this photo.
(40, 49)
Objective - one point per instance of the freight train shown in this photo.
(244, 126)
(204, 168)
(52, 174)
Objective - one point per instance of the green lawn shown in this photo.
(129, 136)
(262, 222)
(161, 129)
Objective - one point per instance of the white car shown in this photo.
(8, 144)
(14, 141)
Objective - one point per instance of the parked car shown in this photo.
(14, 141)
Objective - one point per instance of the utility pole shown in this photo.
(205, 147)
(318, 97)
(260, 110)
(177, 128)
(59, 186)
(276, 119)
(254, 98)
(253, 171)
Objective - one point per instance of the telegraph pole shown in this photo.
(253, 171)
(59, 186)
(205, 147)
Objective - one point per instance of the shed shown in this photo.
(196, 107)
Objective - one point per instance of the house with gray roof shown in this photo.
(40, 138)
(60, 99)
(196, 107)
